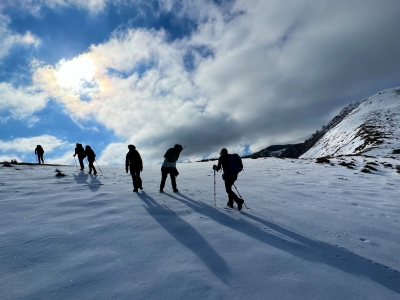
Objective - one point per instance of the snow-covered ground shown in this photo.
(372, 128)
(313, 231)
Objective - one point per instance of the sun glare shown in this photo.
(73, 73)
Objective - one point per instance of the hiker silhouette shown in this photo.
(169, 167)
(135, 164)
(39, 152)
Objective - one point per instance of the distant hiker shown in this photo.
(81, 154)
(39, 152)
(169, 167)
(231, 165)
(135, 164)
(91, 156)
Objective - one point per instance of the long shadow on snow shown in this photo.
(185, 234)
(82, 177)
(301, 246)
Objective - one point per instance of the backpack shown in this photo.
(39, 149)
(235, 163)
(90, 153)
(172, 155)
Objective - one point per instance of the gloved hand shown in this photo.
(215, 167)
(74, 155)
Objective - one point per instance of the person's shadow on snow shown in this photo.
(94, 184)
(299, 245)
(82, 178)
(187, 235)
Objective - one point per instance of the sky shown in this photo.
(206, 74)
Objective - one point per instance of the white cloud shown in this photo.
(113, 154)
(21, 102)
(30, 39)
(93, 6)
(275, 72)
(35, 6)
(11, 39)
(31, 121)
(28, 145)
(10, 157)
(188, 8)
(65, 159)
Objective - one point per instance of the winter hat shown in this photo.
(131, 147)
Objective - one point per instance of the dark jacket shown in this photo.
(223, 162)
(172, 154)
(39, 150)
(80, 151)
(91, 156)
(171, 157)
(133, 160)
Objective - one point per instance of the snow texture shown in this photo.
(313, 231)
(371, 128)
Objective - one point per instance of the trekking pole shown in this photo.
(240, 196)
(215, 201)
(99, 167)
(76, 164)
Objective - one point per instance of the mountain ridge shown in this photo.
(366, 127)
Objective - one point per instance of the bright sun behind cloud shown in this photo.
(75, 72)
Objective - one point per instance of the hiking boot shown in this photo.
(90, 173)
(135, 190)
(161, 191)
(176, 191)
(229, 204)
(141, 188)
(94, 173)
(240, 203)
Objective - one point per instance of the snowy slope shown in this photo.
(372, 128)
(313, 231)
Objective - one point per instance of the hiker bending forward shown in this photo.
(91, 157)
(81, 154)
(39, 152)
(229, 176)
(169, 167)
(135, 164)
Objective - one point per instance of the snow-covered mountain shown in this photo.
(370, 127)
(296, 150)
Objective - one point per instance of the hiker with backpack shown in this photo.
(231, 165)
(81, 155)
(39, 152)
(169, 167)
(91, 157)
(135, 164)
